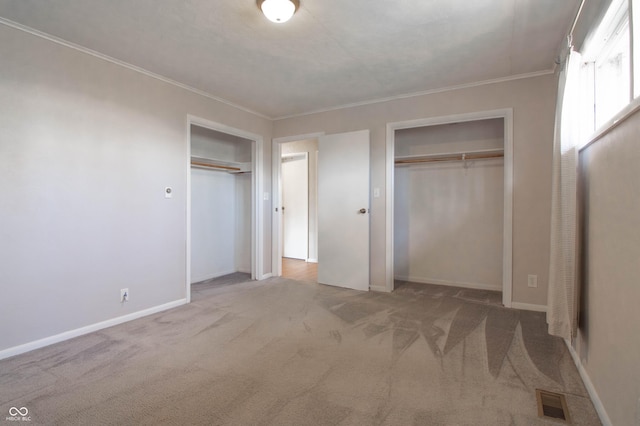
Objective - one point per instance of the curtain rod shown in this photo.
(575, 22)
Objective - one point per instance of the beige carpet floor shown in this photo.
(280, 352)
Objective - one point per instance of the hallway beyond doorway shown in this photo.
(299, 270)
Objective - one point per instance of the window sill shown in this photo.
(617, 119)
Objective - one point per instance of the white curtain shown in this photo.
(562, 294)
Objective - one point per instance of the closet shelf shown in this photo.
(223, 166)
(450, 156)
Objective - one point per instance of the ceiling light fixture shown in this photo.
(278, 11)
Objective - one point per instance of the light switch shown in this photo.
(266, 196)
(376, 192)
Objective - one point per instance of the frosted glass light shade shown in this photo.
(278, 11)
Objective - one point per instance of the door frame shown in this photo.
(257, 215)
(305, 156)
(507, 235)
(276, 192)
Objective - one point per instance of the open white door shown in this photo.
(343, 210)
(295, 206)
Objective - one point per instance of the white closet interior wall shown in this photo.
(220, 207)
(448, 216)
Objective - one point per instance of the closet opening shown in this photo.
(449, 204)
(222, 215)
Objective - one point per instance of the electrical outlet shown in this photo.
(124, 295)
(532, 281)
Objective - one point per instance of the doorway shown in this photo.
(449, 205)
(297, 205)
(224, 215)
(343, 171)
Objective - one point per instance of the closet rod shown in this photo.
(457, 157)
(215, 166)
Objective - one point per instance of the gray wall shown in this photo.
(608, 341)
(87, 147)
(216, 145)
(86, 150)
(533, 103)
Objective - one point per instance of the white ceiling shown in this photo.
(332, 52)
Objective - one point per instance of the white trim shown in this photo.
(425, 92)
(257, 208)
(115, 61)
(389, 204)
(421, 280)
(507, 244)
(187, 240)
(258, 213)
(625, 113)
(593, 394)
(276, 214)
(507, 235)
(37, 344)
(266, 276)
(276, 191)
(296, 156)
(297, 138)
(379, 288)
(312, 260)
(529, 307)
(216, 275)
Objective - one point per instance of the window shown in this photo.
(612, 76)
(607, 71)
(635, 31)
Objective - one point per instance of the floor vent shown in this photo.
(552, 405)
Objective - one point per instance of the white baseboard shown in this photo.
(244, 270)
(265, 276)
(595, 399)
(312, 260)
(380, 288)
(476, 286)
(529, 307)
(27, 347)
(213, 275)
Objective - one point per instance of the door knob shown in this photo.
(362, 211)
